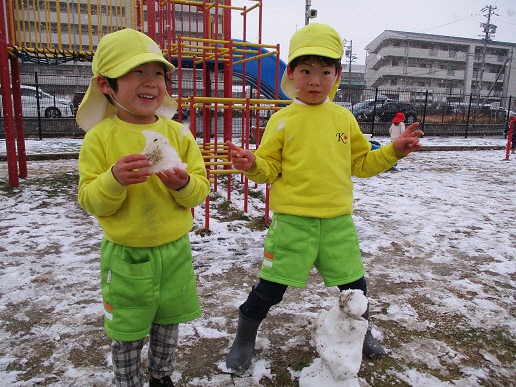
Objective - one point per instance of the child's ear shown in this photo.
(290, 73)
(103, 85)
(339, 72)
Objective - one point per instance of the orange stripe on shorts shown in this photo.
(108, 307)
(268, 255)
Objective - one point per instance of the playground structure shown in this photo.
(196, 36)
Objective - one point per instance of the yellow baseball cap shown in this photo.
(117, 54)
(313, 39)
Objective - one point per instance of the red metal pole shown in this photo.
(18, 122)
(245, 133)
(259, 75)
(228, 72)
(10, 143)
(161, 28)
(179, 77)
(18, 116)
(151, 19)
(509, 137)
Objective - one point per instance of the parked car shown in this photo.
(77, 99)
(49, 105)
(347, 105)
(384, 111)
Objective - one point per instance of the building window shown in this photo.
(451, 71)
(395, 63)
(394, 82)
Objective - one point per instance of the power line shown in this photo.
(452, 22)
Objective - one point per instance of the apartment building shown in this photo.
(418, 62)
(352, 75)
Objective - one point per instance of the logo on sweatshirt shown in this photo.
(341, 137)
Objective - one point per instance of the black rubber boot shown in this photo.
(372, 348)
(241, 352)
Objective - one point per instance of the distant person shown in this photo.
(398, 126)
(147, 277)
(309, 152)
(395, 130)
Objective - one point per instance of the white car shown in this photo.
(49, 106)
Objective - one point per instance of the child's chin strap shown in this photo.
(121, 106)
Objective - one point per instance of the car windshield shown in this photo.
(368, 102)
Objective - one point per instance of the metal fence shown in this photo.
(432, 109)
(53, 113)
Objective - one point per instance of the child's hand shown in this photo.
(242, 159)
(128, 169)
(175, 178)
(408, 141)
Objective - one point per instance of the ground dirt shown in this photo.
(46, 359)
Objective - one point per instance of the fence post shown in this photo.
(38, 105)
(469, 112)
(424, 110)
(374, 111)
(508, 117)
(509, 137)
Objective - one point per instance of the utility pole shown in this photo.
(488, 29)
(349, 53)
(309, 13)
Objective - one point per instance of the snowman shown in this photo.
(338, 335)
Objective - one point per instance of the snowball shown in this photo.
(160, 153)
(339, 336)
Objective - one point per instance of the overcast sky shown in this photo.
(362, 21)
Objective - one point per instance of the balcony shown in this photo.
(416, 72)
(424, 53)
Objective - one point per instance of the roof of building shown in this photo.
(429, 37)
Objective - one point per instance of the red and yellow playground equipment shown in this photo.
(196, 36)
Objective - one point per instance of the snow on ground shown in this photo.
(437, 238)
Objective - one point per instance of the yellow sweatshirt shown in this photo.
(139, 215)
(309, 154)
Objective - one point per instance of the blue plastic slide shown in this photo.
(268, 74)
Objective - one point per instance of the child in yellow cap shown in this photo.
(309, 152)
(147, 278)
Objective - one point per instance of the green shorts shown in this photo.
(295, 244)
(141, 286)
